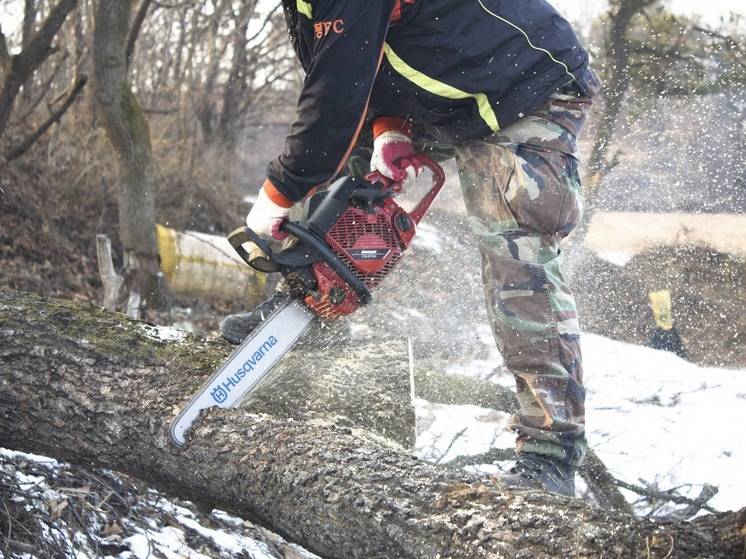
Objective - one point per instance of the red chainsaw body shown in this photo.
(370, 242)
(369, 239)
(353, 235)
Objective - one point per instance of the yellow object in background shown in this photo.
(660, 302)
(206, 266)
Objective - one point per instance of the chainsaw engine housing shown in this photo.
(366, 229)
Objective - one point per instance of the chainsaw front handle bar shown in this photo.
(274, 262)
(244, 235)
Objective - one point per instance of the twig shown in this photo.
(450, 445)
(21, 148)
(700, 502)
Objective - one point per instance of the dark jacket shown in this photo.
(461, 69)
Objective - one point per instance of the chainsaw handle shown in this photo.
(244, 235)
(439, 179)
(387, 183)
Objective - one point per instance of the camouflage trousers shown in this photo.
(523, 196)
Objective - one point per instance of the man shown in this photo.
(503, 85)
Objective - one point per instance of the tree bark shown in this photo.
(129, 134)
(90, 387)
(27, 31)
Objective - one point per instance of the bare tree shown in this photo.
(129, 134)
(617, 83)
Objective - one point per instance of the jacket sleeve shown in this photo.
(347, 49)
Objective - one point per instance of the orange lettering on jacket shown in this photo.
(322, 28)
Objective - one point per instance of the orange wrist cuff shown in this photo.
(386, 123)
(276, 196)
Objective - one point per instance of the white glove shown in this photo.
(266, 216)
(394, 157)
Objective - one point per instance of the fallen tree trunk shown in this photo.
(92, 388)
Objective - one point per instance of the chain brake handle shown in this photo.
(312, 249)
(439, 179)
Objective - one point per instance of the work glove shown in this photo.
(268, 212)
(393, 153)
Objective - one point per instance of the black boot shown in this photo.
(235, 327)
(536, 471)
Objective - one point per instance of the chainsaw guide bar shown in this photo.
(248, 365)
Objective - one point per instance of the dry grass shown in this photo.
(56, 198)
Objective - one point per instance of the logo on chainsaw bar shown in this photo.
(221, 391)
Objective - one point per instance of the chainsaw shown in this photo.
(353, 236)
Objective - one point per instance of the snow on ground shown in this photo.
(59, 510)
(616, 257)
(656, 417)
(651, 417)
(163, 333)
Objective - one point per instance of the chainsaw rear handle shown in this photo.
(439, 179)
(274, 262)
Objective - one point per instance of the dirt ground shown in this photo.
(708, 291)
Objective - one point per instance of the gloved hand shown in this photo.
(268, 212)
(393, 153)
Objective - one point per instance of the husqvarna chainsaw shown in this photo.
(354, 235)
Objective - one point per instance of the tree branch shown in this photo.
(22, 147)
(708, 492)
(24, 64)
(142, 12)
(5, 58)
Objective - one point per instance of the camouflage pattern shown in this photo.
(523, 195)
